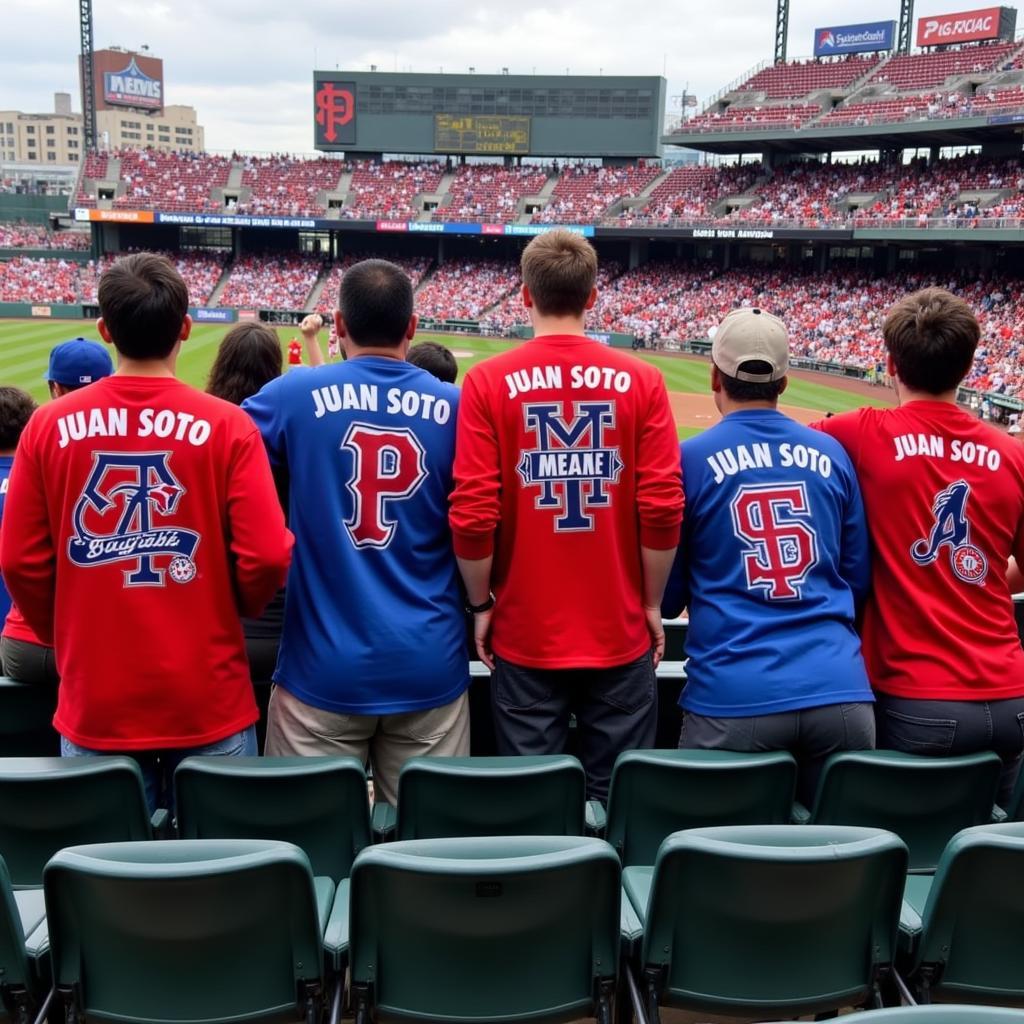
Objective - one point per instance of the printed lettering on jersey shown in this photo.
(572, 465)
(388, 464)
(952, 529)
(774, 520)
(125, 515)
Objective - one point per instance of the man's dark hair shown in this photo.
(375, 301)
(435, 359)
(931, 336)
(143, 301)
(249, 357)
(750, 391)
(559, 268)
(16, 407)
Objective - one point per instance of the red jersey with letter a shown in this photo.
(294, 352)
(944, 496)
(566, 463)
(140, 521)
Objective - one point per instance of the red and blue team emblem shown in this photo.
(952, 529)
(125, 515)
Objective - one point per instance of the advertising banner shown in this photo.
(115, 216)
(130, 86)
(868, 37)
(965, 27)
(203, 315)
(41, 311)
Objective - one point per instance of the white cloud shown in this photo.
(246, 65)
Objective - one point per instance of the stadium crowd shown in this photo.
(21, 235)
(463, 289)
(277, 282)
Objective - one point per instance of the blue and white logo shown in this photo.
(133, 87)
(117, 519)
(571, 464)
(952, 529)
(870, 37)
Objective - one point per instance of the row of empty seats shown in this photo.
(793, 79)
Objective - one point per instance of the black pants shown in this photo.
(811, 735)
(262, 655)
(946, 728)
(29, 663)
(616, 709)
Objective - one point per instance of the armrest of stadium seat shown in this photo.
(160, 823)
(799, 815)
(383, 820)
(595, 819)
(336, 933)
(999, 815)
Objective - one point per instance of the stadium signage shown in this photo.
(236, 221)
(42, 311)
(964, 27)
(133, 87)
(868, 37)
(763, 233)
(204, 315)
(334, 114)
(115, 216)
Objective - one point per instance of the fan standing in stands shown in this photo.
(16, 407)
(567, 504)
(773, 565)
(373, 655)
(144, 506)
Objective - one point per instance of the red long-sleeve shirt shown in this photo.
(566, 464)
(141, 520)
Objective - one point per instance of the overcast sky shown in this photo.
(246, 65)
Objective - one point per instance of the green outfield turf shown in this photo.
(25, 346)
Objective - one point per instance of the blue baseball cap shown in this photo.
(78, 362)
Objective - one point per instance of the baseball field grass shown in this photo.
(25, 347)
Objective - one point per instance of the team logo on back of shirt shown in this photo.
(572, 465)
(952, 529)
(125, 515)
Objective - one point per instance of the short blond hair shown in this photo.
(559, 268)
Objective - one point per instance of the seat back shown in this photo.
(26, 720)
(924, 800)
(657, 792)
(194, 930)
(972, 934)
(441, 797)
(775, 919)
(15, 978)
(318, 803)
(946, 1015)
(47, 803)
(486, 929)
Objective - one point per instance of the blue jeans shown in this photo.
(158, 765)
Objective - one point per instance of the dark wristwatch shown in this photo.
(477, 609)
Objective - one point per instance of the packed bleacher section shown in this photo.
(799, 78)
(94, 167)
(20, 235)
(464, 289)
(279, 281)
(288, 185)
(200, 269)
(177, 182)
(387, 190)
(584, 193)
(23, 279)
(490, 192)
(414, 266)
(692, 193)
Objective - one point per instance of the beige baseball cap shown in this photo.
(748, 334)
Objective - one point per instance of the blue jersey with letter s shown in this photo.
(773, 561)
(6, 461)
(373, 621)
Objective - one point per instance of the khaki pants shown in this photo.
(386, 741)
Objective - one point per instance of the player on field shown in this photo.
(294, 353)
(567, 507)
(772, 565)
(944, 495)
(141, 520)
(73, 365)
(373, 654)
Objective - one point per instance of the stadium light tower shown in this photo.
(781, 30)
(88, 77)
(906, 20)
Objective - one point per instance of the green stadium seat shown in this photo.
(319, 804)
(26, 720)
(492, 930)
(211, 931)
(767, 921)
(924, 800)
(971, 943)
(47, 803)
(657, 792)
(441, 797)
(944, 1015)
(24, 974)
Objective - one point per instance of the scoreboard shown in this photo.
(481, 134)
